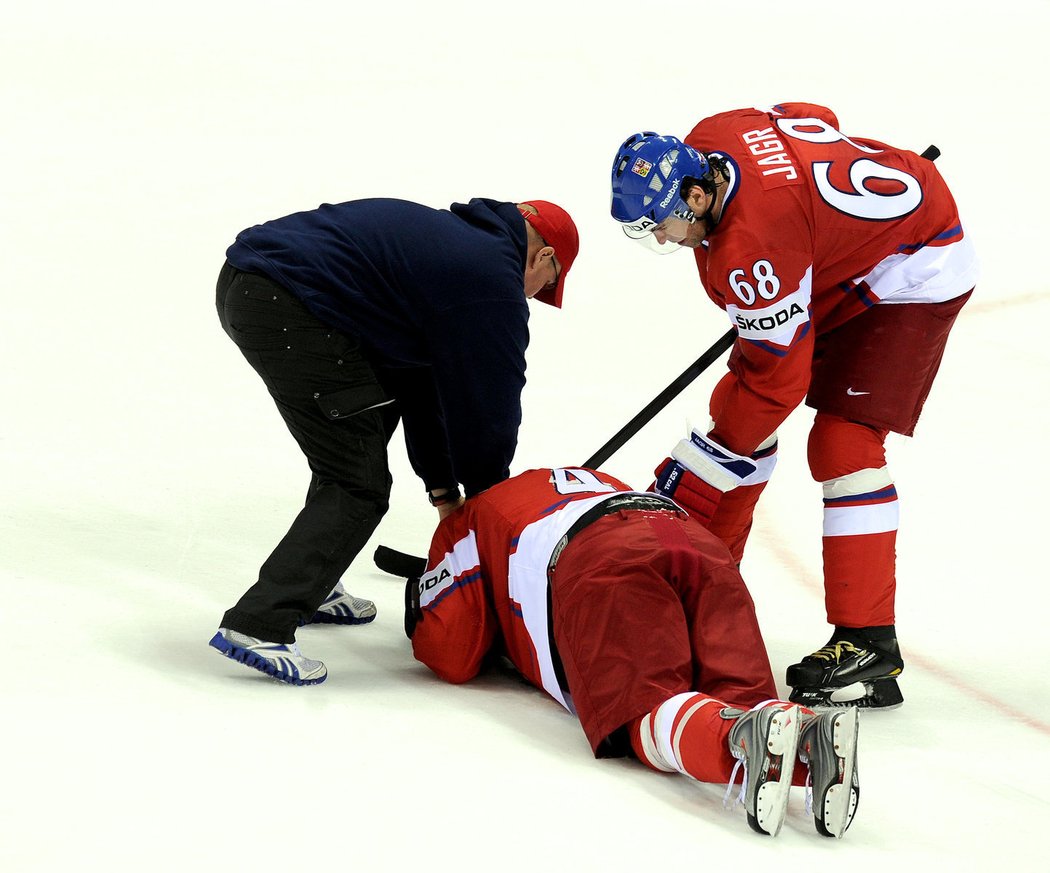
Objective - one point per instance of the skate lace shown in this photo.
(727, 802)
(834, 651)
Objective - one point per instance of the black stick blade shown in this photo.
(399, 563)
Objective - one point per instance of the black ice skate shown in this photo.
(851, 670)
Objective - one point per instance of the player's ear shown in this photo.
(695, 199)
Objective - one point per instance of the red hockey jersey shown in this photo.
(815, 228)
(486, 579)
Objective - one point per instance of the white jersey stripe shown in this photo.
(844, 521)
(933, 274)
(461, 561)
(527, 582)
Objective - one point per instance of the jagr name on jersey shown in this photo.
(769, 154)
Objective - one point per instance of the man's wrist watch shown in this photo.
(450, 496)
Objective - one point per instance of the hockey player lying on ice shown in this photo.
(634, 617)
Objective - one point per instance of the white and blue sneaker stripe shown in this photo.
(339, 607)
(283, 661)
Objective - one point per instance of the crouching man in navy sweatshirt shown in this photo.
(360, 314)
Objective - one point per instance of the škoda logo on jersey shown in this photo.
(434, 586)
(768, 322)
(777, 323)
(428, 582)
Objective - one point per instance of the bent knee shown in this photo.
(839, 447)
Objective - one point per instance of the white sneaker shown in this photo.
(283, 661)
(342, 608)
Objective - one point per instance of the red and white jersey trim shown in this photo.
(456, 567)
(933, 274)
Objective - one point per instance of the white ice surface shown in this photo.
(144, 473)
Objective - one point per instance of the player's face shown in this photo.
(679, 232)
(671, 230)
(688, 234)
(674, 233)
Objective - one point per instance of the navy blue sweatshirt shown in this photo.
(436, 298)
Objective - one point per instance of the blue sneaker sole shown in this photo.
(250, 659)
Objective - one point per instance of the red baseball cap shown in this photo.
(557, 229)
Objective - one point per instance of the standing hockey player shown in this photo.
(345, 309)
(573, 576)
(842, 264)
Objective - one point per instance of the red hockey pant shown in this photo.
(647, 605)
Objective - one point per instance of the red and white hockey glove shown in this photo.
(700, 471)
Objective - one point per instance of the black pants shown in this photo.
(328, 396)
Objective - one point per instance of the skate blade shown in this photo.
(840, 801)
(772, 798)
(879, 694)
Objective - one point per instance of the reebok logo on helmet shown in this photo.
(670, 194)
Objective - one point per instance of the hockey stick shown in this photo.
(661, 400)
(402, 564)
(399, 563)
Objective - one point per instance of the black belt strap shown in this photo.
(644, 502)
